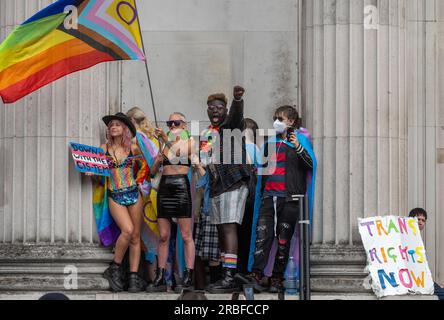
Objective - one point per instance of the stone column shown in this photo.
(354, 87)
(42, 198)
(425, 29)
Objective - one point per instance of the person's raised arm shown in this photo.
(236, 113)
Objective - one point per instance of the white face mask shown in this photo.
(280, 126)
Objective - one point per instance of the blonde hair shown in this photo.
(142, 121)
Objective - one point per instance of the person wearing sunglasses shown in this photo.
(174, 196)
(228, 181)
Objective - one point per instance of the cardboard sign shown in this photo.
(89, 159)
(396, 256)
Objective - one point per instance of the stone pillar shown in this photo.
(42, 198)
(425, 29)
(353, 94)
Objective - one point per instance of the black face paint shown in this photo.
(217, 112)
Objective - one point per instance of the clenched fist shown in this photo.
(238, 92)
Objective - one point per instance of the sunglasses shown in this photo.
(176, 123)
(278, 118)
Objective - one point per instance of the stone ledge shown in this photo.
(104, 295)
(337, 255)
(10, 253)
(40, 267)
(50, 282)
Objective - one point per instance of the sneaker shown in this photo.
(114, 276)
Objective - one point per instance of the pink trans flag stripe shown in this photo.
(92, 16)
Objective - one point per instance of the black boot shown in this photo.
(254, 279)
(227, 284)
(187, 281)
(159, 283)
(135, 283)
(114, 276)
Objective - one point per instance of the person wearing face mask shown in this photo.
(174, 197)
(276, 215)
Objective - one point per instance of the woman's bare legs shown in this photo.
(187, 236)
(123, 220)
(135, 212)
(164, 241)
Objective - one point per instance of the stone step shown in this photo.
(106, 295)
(50, 282)
(34, 253)
(94, 281)
(98, 268)
(42, 266)
(329, 271)
(53, 268)
(341, 284)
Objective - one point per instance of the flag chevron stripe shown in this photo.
(41, 50)
(90, 19)
(52, 73)
(98, 42)
(83, 20)
(126, 35)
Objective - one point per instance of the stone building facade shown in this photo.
(366, 75)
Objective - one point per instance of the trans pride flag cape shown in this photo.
(65, 37)
(149, 150)
(304, 140)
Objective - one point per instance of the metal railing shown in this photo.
(304, 247)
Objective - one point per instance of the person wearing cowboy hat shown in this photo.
(128, 170)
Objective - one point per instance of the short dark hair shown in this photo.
(418, 212)
(192, 295)
(251, 124)
(291, 113)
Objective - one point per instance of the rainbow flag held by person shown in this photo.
(65, 37)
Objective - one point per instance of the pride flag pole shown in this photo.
(146, 65)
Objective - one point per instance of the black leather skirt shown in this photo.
(174, 197)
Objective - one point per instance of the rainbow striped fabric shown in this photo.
(65, 37)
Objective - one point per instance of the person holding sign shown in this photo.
(421, 215)
(118, 201)
(174, 197)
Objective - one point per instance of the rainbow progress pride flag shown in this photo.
(65, 37)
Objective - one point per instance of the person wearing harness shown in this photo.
(174, 197)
